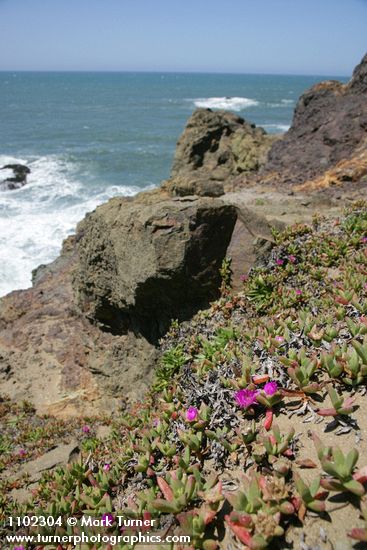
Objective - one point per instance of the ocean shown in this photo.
(90, 136)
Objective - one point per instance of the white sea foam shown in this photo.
(229, 103)
(282, 103)
(276, 127)
(35, 219)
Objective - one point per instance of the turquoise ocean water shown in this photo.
(90, 136)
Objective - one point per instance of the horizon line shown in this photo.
(142, 71)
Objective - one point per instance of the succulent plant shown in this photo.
(301, 369)
(312, 496)
(339, 467)
(340, 406)
(277, 444)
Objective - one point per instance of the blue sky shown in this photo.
(321, 37)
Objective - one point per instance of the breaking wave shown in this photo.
(35, 219)
(229, 103)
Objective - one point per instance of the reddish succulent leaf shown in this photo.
(241, 532)
(306, 463)
(260, 378)
(361, 475)
(165, 489)
(268, 419)
(358, 534)
(327, 412)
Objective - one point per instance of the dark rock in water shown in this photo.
(19, 179)
(329, 126)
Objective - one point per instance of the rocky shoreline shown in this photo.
(86, 333)
(143, 292)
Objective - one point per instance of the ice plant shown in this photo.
(271, 388)
(340, 469)
(340, 406)
(107, 467)
(298, 292)
(279, 261)
(246, 398)
(292, 258)
(269, 395)
(86, 429)
(22, 453)
(192, 414)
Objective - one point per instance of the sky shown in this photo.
(318, 37)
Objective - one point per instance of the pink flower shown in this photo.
(270, 388)
(292, 258)
(244, 277)
(86, 429)
(279, 338)
(191, 414)
(22, 452)
(246, 398)
(19, 547)
(279, 261)
(364, 239)
(107, 467)
(298, 292)
(107, 520)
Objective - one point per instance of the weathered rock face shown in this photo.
(146, 261)
(81, 340)
(329, 125)
(18, 178)
(214, 146)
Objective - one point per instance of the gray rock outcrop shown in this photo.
(214, 146)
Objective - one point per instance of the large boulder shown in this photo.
(82, 339)
(329, 127)
(214, 146)
(146, 261)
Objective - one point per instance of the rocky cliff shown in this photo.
(329, 130)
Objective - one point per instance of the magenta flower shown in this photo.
(364, 239)
(298, 292)
(86, 429)
(270, 388)
(22, 452)
(244, 277)
(279, 338)
(292, 258)
(19, 547)
(191, 414)
(107, 467)
(279, 261)
(107, 520)
(246, 398)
